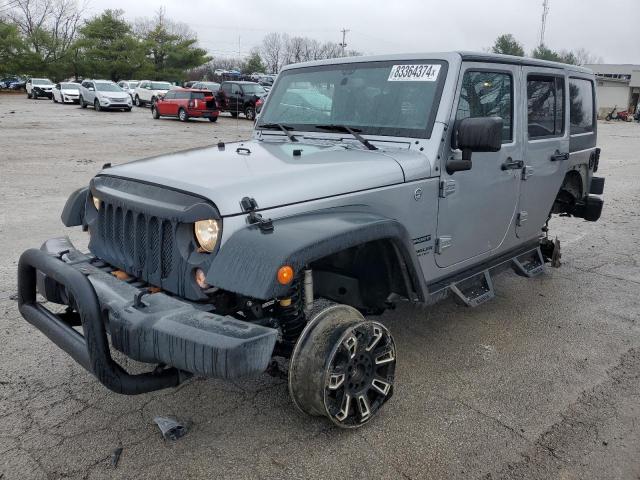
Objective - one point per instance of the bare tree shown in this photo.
(272, 51)
(49, 26)
(584, 57)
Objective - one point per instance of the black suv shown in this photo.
(240, 97)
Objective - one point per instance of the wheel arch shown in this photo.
(247, 263)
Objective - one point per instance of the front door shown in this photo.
(546, 149)
(477, 207)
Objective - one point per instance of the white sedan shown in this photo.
(66, 92)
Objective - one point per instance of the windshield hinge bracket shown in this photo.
(249, 205)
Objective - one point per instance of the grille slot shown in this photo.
(141, 244)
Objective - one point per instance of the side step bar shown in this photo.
(530, 264)
(91, 350)
(476, 290)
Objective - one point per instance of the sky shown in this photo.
(606, 28)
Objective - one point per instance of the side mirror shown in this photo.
(480, 134)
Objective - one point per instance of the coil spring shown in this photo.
(291, 319)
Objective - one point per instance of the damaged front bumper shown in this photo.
(148, 327)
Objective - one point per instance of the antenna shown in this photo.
(545, 12)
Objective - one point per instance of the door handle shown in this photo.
(512, 164)
(556, 157)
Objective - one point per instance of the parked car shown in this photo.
(129, 86)
(185, 103)
(104, 95)
(149, 91)
(39, 87)
(5, 82)
(429, 174)
(240, 97)
(213, 87)
(66, 92)
(189, 84)
(19, 84)
(266, 80)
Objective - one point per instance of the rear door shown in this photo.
(477, 207)
(546, 147)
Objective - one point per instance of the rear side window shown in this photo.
(182, 95)
(226, 88)
(170, 96)
(545, 106)
(488, 94)
(197, 95)
(581, 111)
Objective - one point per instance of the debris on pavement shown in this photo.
(171, 428)
(115, 456)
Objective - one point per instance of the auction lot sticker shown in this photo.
(414, 73)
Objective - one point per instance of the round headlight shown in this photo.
(207, 234)
(96, 202)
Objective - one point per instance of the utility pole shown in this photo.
(344, 40)
(545, 12)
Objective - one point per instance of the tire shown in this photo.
(250, 113)
(53, 97)
(83, 104)
(342, 366)
(183, 115)
(154, 112)
(234, 114)
(608, 118)
(138, 101)
(96, 105)
(213, 119)
(128, 109)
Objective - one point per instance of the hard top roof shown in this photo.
(465, 56)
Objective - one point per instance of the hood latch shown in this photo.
(249, 205)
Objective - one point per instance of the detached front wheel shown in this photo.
(342, 367)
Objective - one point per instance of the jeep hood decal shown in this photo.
(270, 173)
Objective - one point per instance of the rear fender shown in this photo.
(248, 262)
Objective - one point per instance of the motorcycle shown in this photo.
(615, 115)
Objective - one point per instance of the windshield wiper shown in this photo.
(352, 131)
(284, 128)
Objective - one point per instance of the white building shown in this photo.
(618, 85)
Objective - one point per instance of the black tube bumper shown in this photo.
(153, 328)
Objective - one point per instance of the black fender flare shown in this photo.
(248, 262)
(73, 211)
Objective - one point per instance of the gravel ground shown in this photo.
(541, 382)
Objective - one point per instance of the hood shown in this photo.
(270, 173)
(70, 90)
(119, 95)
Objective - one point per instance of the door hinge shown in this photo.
(447, 187)
(442, 243)
(527, 171)
(522, 217)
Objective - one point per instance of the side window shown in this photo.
(545, 106)
(182, 95)
(488, 94)
(226, 88)
(581, 111)
(236, 89)
(170, 95)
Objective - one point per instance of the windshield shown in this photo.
(108, 87)
(396, 98)
(160, 86)
(133, 85)
(69, 86)
(253, 89)
(39, 81)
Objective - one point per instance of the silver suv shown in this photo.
(104, 95)
(368, 181)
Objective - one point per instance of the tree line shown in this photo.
(507, 44)
(50, 38)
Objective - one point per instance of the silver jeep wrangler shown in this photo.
(368, 181)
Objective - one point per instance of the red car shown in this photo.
(185, 103)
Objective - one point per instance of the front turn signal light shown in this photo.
(96, 202)
(285, 275)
